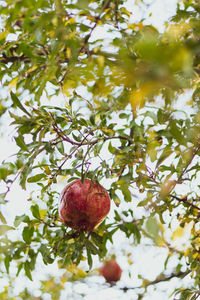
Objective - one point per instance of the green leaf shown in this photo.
(126, 192)
(36, 178)
(98, 240)
(176, 133)
(143, 202)
(60, 148)
(27, 270)
(3, 220)
(76, 138)
(152, 115)
(5, 228)
(27, 234)
(7, 262)
(162, 116)
(35, 211)
(166, 153)
(45, 252)
(18, 103)
(83, 122)
(19, 268)
(123, 116)
(152, 227)
(89, 258)
(4, 172)
(20, 143)
(20, 219)
(112, 149)
(2, 198)
(92, 119)
(94, 250)
(116, 199)
(26, 171)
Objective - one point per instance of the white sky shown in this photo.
(146, 260)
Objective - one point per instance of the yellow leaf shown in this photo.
(67, 106)
(49, 181)
(60, 179)
(187, 252)
(178, 233)
(195, 255)
(90, 18)
(47, 170)
(167, 187)
(66, 118)
(145, 283)
(135, 26)
(55, 21)
(100, 60)
(139, 95)
(13, 84)
(84, 258)
(68, 53)
(81, 273)
(72, 269)
(120, 182)
(95, 50)
(72, 35)
(190, 102)
(177, 30)
(196, 212)
(32, 69)
(51, 33)
(63, 278)
(70, 21)
(43, 213)
(100, 232)
(68, 86)
(107, 130)
(130, 261)
(3, 34)
(131, 26)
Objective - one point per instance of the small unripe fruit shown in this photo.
(111, 271)
(83, 206)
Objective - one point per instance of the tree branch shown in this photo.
(159, 279)
(62, 135)
(195, 151)
(97, 18)
(184, 200)
(10, 59)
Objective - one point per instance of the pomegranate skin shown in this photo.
(83, 206)
(111, 271)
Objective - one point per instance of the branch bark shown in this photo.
(159, 279)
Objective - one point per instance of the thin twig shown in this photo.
(85, 141)
(97, 18)
(195, 151)
(84, 158)
(184, 200)
(68, 156)
(159, 279)
(85, 41)
(116, 14)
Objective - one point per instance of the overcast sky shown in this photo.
(150, 263)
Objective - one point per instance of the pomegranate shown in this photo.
(111, 271)
(83, 206)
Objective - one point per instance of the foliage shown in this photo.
(122, 107)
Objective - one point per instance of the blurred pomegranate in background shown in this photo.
(111, 271)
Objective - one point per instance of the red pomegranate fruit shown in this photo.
(83, 206)
(111, 271)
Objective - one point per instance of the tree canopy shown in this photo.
(91, 93)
